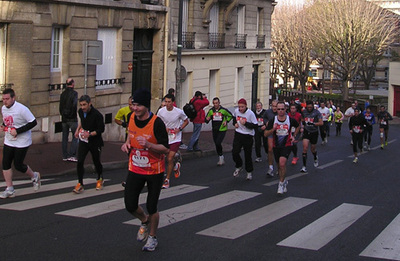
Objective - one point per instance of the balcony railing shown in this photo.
(188, 40)
(5, 86)
(241, 41)
(57, 86)
(261, 41)
(216, 40)
(109, 82)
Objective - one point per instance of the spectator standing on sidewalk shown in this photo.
(89, 131)
(68, 107)
(220, 117)
(245, 123)
(18, 121)
(199, 102)
(121, 118)
(259, 139)
(175, 121)
(146, 145)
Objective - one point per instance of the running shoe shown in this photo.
(73, 159)
(381, 146)
(294, 160)
(99, 184)
(323, 142)
(151, 244)
(303, 169)
(282, 187)
(237, 171)
(183, 147)
(177, 170)
(270, 173)
(368, 148)
(78, 188)
(326, 140)
(36, 181)
(142, 233)
(221, 161)
(355, 160)
(258, 160)
(166, 184)
(316, 162)
(249, 176)
(386, 143)
(8, 193)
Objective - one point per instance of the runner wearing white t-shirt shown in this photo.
(172, 118)
(18, 121)
(325, 113)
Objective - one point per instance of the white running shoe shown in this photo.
(151, 244)
(282, 187)
(270, 173)
(143, 233)
(258, 160)
(316, 162)
(36, 181)
(7, 193)
(237, 171)
(249, 176)
(303, 169)
(221, 160)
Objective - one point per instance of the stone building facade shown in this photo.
(226, 50)
(42, 43)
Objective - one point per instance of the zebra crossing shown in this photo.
(313, 237)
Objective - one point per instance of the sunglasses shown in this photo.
(280, 109)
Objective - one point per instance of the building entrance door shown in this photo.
(396, 101)
(142, 59)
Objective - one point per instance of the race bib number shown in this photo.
(260, 121)
(282, 130)
(238, 119)
(171, 135)
(309, 121)
(357, 129)
(81, 138)
(383, 122)
(217, 116)
(140, 158)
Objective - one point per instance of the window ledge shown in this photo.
(107, 91)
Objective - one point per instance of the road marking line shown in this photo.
(23, 182)
(287, 178)
(118, 204)
(386, 245)
(249, 222)
(62, 198)
(323, 230)
(180, 213)
(50, 187)
(329, 164)
(374, 148)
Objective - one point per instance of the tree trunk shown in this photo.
(345, 87)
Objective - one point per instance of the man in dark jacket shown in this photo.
(89, 133)
(68, 107)
(199, 101)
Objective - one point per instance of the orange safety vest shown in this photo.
(142, 160)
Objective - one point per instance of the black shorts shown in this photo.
(281, 152)
(385, 127)
(311, 136)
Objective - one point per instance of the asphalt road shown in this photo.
(339, 211)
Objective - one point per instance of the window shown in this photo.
(56, 49)
(214, 17)
(213, 84)
(241, 19)
(107, 73)
(239, 84)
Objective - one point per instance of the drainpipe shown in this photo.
(166, 32)
(178, 85)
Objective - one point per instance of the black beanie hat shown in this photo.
(142, 97)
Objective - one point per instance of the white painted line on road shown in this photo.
(287, 178)
(180, 213)
(373, 148)
(56, 199)
(329, 164)
(249, 222)
(22, 182)
(118, 204)
(323, 230)
(387, 244)
(54, 186)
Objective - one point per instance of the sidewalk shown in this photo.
(46, 158)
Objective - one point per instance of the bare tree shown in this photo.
(346, 32)
(291, 43)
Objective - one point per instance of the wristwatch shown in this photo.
(180, 129)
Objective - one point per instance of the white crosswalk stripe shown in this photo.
(177, 214)
(387, 244)
(234, 228)
(52, 200)
(322, 231)
(118, 204)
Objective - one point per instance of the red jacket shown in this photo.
(199, 104)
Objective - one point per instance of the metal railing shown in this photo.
(109, 82)
(188, 40)
(216, 40)
(57, 86)
(5, 86)
(240, 41)
(261, 41)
